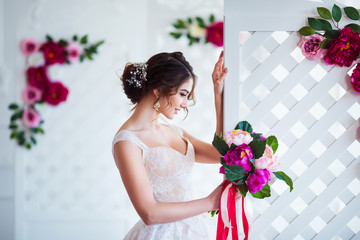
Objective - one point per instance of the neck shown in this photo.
(144, 116)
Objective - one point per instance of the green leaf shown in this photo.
(75, 38)
(222, 160)
(13, 106)
(315, 23)
(33, 140)
(282, 176)
(99, 43)
(332, 34)
(63, 42)
(336, 13)
(28, 145)
(352, 13)
(354, 27)
(16, 115)
(49, 38)
(212, 18)
(234, 172)
(325, 43)
(307, 31)
(245, 126)
(180, 24)
(189, 20)
(272, 142)
(84, 39)
(263, 193)
(324, 13)
(243, 189)
(233, 146)
(213, 212)
(176, 35)
(13, 135)
(200, 22)
(220, 145)
(13, 126)
(325, 25)
(81, 57)
(40, 130)
(257, 148)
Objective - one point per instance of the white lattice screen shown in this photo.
(309, 106)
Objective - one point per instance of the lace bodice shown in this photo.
(168, 170)
(169, 174)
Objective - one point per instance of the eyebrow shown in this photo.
(184, 90)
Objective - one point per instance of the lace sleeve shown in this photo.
(126, 135)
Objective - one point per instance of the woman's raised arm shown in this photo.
(128, 158)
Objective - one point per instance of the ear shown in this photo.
(156, 93)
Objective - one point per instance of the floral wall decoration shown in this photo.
(197, 30)
(41, 59)
(325, 39)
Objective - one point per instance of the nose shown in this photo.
(184, 104)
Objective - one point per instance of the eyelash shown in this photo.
(182, 94)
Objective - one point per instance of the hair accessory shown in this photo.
(140, 70)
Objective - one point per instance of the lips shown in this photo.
(177, 110)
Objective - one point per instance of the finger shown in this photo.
(221, 54)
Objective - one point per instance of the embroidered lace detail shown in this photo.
(169, 174)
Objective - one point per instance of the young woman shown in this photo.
(155, 160)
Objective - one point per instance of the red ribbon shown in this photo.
(222, 230)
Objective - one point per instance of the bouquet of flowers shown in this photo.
(249, 163)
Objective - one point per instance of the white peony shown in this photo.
(196, 31)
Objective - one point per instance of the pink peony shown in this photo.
(310, 47)
(31, 118)
(240, 156)
(55, 93)
(37, 77)
(355, 78)
(29, 46)
(258, 180)
(345, 49)
(53, 53)
(31, 95)
(237, 137)
(214, 34)
(268, 161)
(73, 51)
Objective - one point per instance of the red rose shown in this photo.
(355, 78)
(345, 49)
(37, 77)
(214, 34)
(55, 93)
(53, 53)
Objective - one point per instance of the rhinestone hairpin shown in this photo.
(140, 70)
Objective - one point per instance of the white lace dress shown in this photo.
(169, 174)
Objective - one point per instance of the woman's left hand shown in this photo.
(219, 74)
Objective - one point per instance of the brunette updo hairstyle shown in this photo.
(165, 72)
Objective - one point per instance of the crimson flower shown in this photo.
(355, 78)
(55, 93)
(214, 34)
(53, 53)
(37, 77)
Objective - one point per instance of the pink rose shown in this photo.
(355, 78)
(345, 49)
(237, 137)
(55, 93)
(310, 47)
(37, 77)
(268, 161)
(53, 53)
(29, 46)
(240, 156)
(214, 34)
(73, 51)
(31, 118)
(258, 180)
(31, 95)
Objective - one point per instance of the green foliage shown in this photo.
(324, 13)
(63, 42)
(263, 193)
(282, 176)
(307, 31)
(13, 106)
(354, 27)
(272, 142)
(49, 38)
(336, 13)
(332, 34)
(176, 35)
(212, 18)
(243, 189)
(315, 24)
(84, 39)
(325, 25)
(234, 173)
(257, 148)
(352, 13)
(245, 126)
(220, 145)
(325, 43)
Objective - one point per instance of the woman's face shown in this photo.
(169, 107)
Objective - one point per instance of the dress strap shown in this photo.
(127, 135)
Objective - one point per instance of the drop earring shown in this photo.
(157, 105)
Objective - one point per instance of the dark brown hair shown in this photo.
(165, 72)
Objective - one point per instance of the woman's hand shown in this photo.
(219, 75)
(214, 197)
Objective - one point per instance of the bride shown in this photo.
(154, 159)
